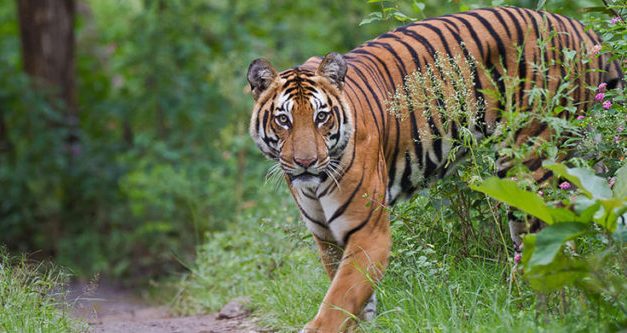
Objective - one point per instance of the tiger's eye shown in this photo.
(322, 116)
(283, 119)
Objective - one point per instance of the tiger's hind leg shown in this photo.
(519, 228)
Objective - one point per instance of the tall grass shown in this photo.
(31, 298)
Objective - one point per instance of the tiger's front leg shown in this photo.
(363, 262)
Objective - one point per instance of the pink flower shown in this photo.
(607, 105)
(517, 258)
(616, 139)
(580, 117)
(540, 193)
(601, 88)
(615, 20)
(599, 97)
(565, 186)
(619, 129)
(594, 50)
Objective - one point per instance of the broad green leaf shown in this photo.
(529, 243)
(620, 187)
(562, 272)
(583, 203)
(508, 192)
(550, 240)
(592, 185)
(587, 215)
(560, 214)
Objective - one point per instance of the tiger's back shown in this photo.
(504, 41)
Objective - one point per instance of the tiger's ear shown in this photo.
(260, 76)
(333, 67)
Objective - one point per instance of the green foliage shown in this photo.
(30, 300)
(507, 191)
(165, 166)
(164, 153)
(258, 258)
(546, 265)
(405, 11)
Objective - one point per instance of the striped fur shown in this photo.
(344, 156)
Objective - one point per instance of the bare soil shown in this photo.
(114, 310)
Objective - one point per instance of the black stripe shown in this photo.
(473, 33)
(423, 41)
(491, 31)
(359, 226)
(430, 167)
(302, 211)
(406, 184)
(532, 80)
(373, 95)
(366, 55)
(522, 62)
(415, 133)
(437, 143)
(309, 196)
(500, 18)
(370, 108)
(442, 38)
(392, 171)
(338, 212)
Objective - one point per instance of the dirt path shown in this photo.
(109, 309)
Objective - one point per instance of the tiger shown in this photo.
(344, 156)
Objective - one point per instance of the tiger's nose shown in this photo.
(305, 162)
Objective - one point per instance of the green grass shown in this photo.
(31, 298)
(471, 296)
(430, 285)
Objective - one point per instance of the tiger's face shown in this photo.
(301, 119)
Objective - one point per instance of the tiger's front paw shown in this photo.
(311, 327)
(331, 325)
(370, 309)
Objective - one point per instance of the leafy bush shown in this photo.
(597, 220)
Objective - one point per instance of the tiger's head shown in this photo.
(301, 118)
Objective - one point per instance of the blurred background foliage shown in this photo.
(164, 157)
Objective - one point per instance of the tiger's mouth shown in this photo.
(304, 176)
(307, 178)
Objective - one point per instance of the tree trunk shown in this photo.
(47, 36)
(48, 43)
